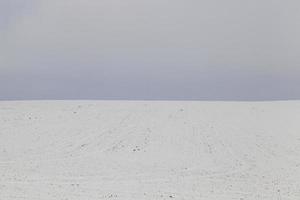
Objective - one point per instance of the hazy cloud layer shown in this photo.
(158, 49)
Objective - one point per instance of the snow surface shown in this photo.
(149, 150)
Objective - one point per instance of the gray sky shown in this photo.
(158, 49)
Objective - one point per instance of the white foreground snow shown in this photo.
(94, 150)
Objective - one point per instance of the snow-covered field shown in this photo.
(138, 150)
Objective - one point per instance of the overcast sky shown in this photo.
(150, 49)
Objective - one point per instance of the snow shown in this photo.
(148, 150)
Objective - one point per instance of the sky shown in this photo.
(150, 50)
